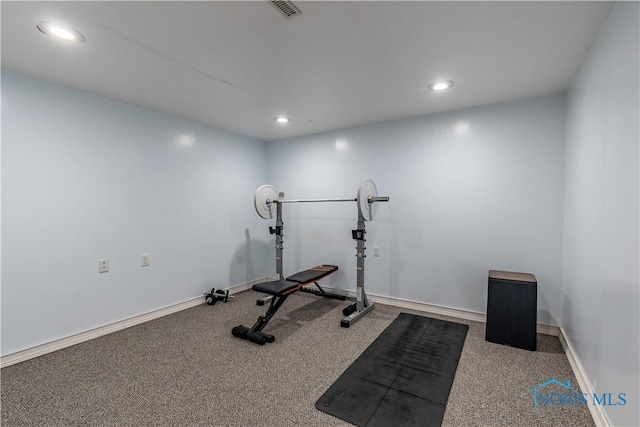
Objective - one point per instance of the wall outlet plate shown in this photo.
(144, 260)
(103, 265)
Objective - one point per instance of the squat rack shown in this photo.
(268, 203)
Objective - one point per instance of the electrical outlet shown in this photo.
(103, 265)
(144, 260)
(376, 251)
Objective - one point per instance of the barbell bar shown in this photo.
(314, 200)
(267, 197)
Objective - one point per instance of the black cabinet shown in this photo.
(512, 307)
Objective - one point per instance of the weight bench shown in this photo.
(279, 290)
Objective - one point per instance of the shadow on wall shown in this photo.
(406, 236)
(544, 316)
(312, 236)
(248, 262)
(242, 216)
(583, 335)
(396, 264)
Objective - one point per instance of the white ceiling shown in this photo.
(236, 65)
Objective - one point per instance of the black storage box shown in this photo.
(512, 307)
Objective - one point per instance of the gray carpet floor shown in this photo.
(187, 369)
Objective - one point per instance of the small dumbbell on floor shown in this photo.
(212, 297)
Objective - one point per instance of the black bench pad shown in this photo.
(276, 287)
(313, 274)
(295, 282)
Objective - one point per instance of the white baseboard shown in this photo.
(597, 412)
(40, 350)
(428, 308)
(50, 347)
(451, 312)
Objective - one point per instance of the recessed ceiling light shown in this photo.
(441, 85)
(282, 119)
(61, 31)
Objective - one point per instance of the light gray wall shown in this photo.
(84, 178)
(601, 258)
(470, 190)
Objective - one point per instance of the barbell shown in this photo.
(367, 198)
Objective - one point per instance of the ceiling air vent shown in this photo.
(287, 8)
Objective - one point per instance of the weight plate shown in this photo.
(263, 201)
(367, 189)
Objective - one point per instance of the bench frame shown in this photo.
(279, 291)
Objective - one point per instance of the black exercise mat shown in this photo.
(403, 378)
